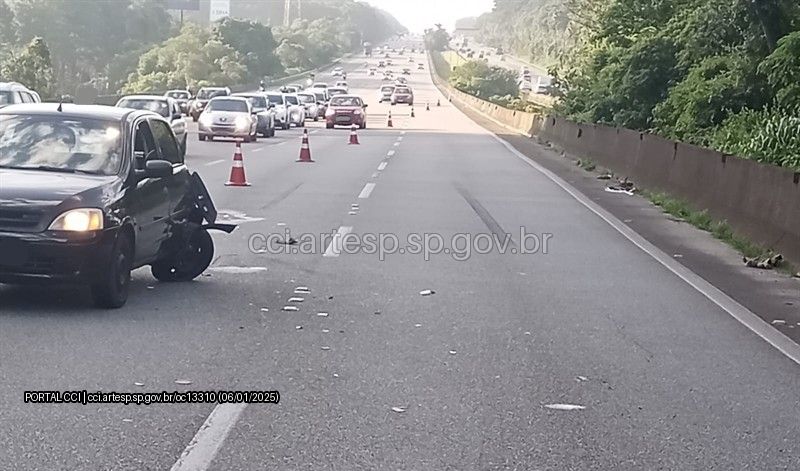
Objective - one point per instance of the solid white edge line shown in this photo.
(198, 455)
(736, 310)
(382, 166)
(215, 162)
(396, 144)
(390, 153)
(746, 317)
(335, 247)
(366, 191)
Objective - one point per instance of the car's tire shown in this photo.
(328, 126)
(287, 126)
(184, 145)
(210, 137)
(271, 132)
(201, 137)
(316, 118)
(303, 124)
(363, 126)
(111, 292)
(190, 263)
(194, 118)
(254, 137)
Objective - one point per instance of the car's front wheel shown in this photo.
(328, 125)
(201, 137)
(190, 262)
(111, 291)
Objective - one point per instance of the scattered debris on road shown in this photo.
(417, 325)
(264, 309)
(325, 348)
(605, 176)
(566, 407)
(399, 410)
(298, 327)
(302, 290)
(290, 308)
(296, 300)
(452, 352)
(325, 331)
(183, 382)
(322, 314)
(427, 292)
(622, 186)
(581, 379)
(765, 263)
(779, 322)
(138, 384)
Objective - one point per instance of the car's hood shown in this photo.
(26, 195)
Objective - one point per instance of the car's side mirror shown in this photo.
(365, 105)
(177, 116)
(158, 169)
(271, 105)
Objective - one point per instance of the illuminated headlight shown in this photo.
(242, 123)
(329, 112)
(78, 220)
(357, 111)
(205, 120)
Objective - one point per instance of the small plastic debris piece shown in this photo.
(296, 300)
(399, 410)
(264, 309)
(298, 327)
(138, 384)
(183, 382)
(325, 348)
(325, 331)
(427, 292)
(566, 407)
(453, 352)
(290, 308)
(581, 379)
(417, 325)
(779, 322)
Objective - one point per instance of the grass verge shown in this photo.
(719, 229)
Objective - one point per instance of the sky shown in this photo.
(416, 15)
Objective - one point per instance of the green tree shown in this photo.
(782, 69)
(193, 59)
(477, 78)
(254, 43)
(32, 68)
(437, 39)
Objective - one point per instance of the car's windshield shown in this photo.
(157, 106)
(292, 100)
(257, 101)
(6, 97)
(222, 104)
(320, 96)
(179, 95)
(306, 98)
(387, 89)
(276, 99)
(346, 101)
(60, 143)
(208, 93)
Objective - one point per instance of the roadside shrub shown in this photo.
(479, 79)
(770, 136)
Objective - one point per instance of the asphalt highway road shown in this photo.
(480, 374)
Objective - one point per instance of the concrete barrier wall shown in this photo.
(759, 201)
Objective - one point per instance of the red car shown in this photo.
(346, 110)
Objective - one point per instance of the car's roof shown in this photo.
(145, 97)
(332, 89)
(213, 88)
(182, 90)
(112, 113)
(15, 86)
(230, 98)
(248, 95)
(348, 96)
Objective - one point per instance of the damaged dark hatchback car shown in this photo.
(89, 193)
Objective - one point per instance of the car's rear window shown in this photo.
(178, 95)
(257, 101)
(346, 101)
(307, 98)
(157, 106)
(292, 100)
(56, 143)
(275, 99)
(402, 90)
(207, 94)
(387, 89)
(227, 105)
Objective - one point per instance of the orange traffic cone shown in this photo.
(353, 135)
(305, 151)
(237, 177)
(389, 124)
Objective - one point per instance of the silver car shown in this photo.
(168, 108)
(277, 103)
(266, 119)
(296, 110)
(309, 100)
(228, 116)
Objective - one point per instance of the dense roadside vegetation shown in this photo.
(58, 46)
(718, 73)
